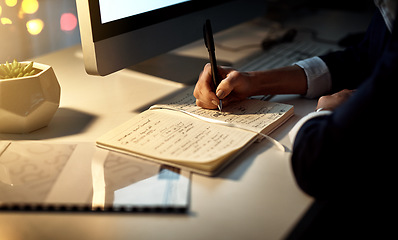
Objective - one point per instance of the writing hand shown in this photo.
(234, 86)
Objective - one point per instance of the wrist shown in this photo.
(286, 80)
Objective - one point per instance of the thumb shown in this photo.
(224, 88)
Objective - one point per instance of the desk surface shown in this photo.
(255, 197)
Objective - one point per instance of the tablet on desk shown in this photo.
(37, 176)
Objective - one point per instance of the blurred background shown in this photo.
(29, 28)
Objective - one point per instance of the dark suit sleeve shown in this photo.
(349, 68)
(345, 153)
(348, 153)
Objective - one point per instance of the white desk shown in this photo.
(254, 198)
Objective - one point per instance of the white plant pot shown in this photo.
(29, 103)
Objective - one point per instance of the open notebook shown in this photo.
(180, 134)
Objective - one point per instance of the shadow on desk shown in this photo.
(188, 68)
(65, 122)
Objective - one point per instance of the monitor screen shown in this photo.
(116, 34)
(112, 10)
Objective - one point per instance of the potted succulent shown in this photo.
(29, 96)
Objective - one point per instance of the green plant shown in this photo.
(16, 70)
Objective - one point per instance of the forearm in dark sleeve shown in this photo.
(346, 153)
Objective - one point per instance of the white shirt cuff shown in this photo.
(293, 132)
(318, 77)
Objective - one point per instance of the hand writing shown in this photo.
(234, 86)
(237, 85)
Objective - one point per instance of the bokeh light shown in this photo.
(35, 26)
(68, 22)
(11, 3)
(29, 6)
(29, 28)
(5, 21)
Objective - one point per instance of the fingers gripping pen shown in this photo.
(209, 42)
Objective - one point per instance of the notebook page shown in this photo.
(250, 114)
(174, 136)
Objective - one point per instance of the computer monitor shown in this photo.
(116, 34)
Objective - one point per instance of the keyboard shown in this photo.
(286, 54)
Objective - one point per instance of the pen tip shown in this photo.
(220, 106)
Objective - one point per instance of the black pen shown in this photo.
(209, 42)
